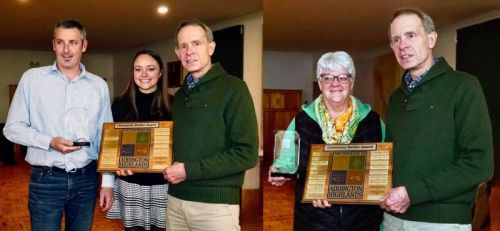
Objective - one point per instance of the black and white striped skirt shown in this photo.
(139, 205)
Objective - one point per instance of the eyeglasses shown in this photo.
(328, 78)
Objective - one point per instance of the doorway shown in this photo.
(478, 53)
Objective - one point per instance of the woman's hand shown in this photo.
(321, 204)
(278, 180)
(127, 172)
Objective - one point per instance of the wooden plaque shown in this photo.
(357, 173)
(138, 146)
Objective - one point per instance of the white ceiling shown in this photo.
(352, 25)
(289, 25)
(112, 25)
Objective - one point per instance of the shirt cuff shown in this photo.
(108, 180)
(44, 142)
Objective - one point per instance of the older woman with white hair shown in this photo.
(335, 117)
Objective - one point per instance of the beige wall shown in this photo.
(14, 63)
(101, 65)
(290, 70)
(297, 70)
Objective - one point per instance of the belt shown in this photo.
(92, 166)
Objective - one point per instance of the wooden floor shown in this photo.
(494, 202)
(14, 215)
(278, 203)
(271, 211)
(278, 206)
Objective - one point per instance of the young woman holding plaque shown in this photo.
(335, 117)
(140, 199)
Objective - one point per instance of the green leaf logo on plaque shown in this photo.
(357, 162)
(143, 137)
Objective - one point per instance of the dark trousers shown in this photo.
(54, 191)
(6, 148)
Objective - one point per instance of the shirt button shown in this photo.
(406, 100)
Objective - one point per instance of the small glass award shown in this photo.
(286, 154)
(77, 123)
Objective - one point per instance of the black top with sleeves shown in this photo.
(337, 217)
(121, 113)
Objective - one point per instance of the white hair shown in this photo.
(338, 59)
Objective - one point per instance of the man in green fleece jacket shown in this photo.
(439, 123)
(215, 138)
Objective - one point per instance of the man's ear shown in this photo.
(177, 53)
(84, 45)
(211, 48)
(432, 39)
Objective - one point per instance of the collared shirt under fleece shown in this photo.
(46, 104)
(215, 136)
(443, 145)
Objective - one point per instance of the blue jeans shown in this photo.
(54, 191)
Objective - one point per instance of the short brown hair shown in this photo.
(194, 22)
(70, 24)
(424, 18)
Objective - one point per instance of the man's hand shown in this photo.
(396, 200)
(127, 172)
(106, 198)
(175, 173)
(62, 145)
(321, 204)
(276, 181)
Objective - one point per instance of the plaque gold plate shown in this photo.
(138, 146)
(357, 173)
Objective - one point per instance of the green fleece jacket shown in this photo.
(215, 136)
(443, 145)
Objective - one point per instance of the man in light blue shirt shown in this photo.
(58, 112)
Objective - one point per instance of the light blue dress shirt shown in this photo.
(46, 104)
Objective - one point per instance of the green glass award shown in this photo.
(286, 154)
